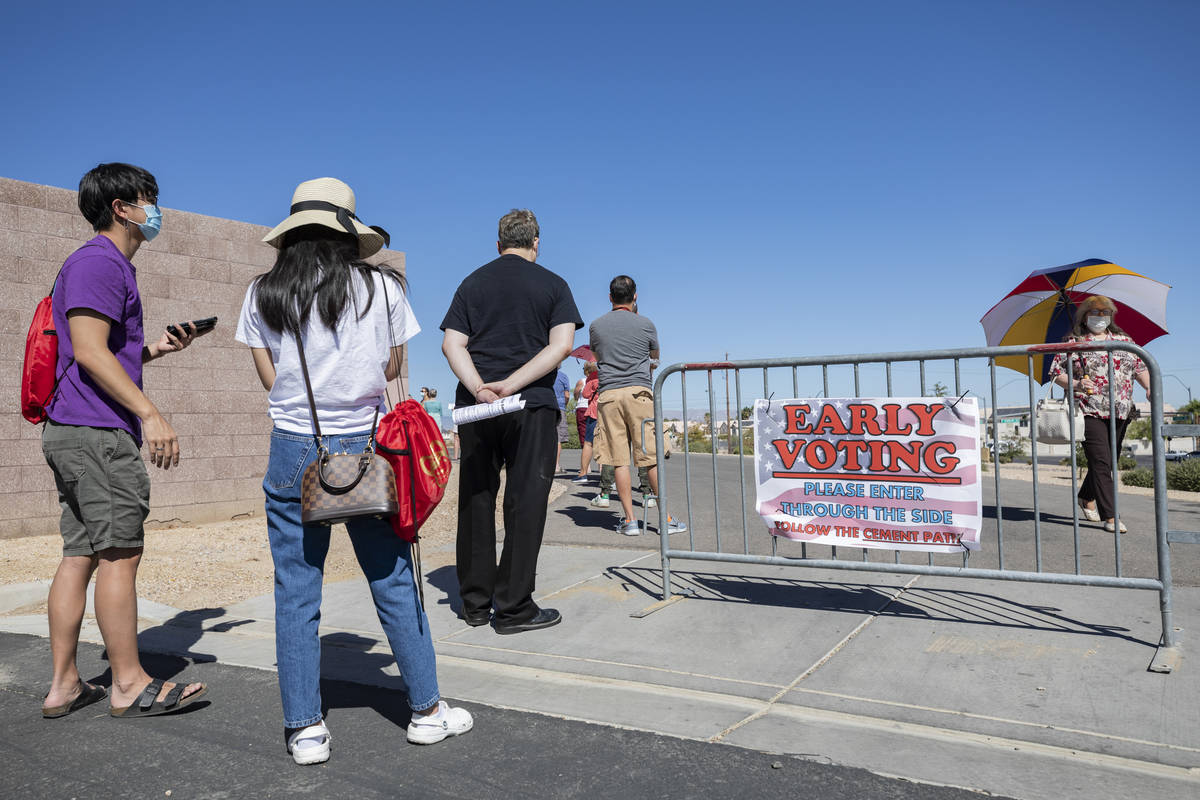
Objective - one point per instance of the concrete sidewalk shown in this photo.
(1025, 690)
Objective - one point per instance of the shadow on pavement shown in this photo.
(187, 627)
(445, 580)
(941, 605)
(384, 694)
(391, 704)
(588, 517)
(1019, 514)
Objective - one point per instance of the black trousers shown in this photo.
(1098, 482)
(523, 443)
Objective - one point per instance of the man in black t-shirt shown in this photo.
(510, 325)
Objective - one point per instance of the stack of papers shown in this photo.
(504, 405)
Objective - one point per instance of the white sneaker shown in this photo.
(649, 501)
(631, 528)
(310, 745)
(600, 501)
(432, 728)
(1108, 526)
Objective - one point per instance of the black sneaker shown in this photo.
(544, 618)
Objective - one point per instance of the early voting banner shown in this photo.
(895, 473)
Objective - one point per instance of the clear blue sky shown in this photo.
(780, 178)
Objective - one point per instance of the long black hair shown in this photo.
(315, 267)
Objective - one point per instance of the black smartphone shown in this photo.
(202, 326)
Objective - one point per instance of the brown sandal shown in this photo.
(88, 694)
(148, 704)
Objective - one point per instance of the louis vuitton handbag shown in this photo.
(343, 486)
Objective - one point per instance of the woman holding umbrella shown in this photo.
(1095, 321)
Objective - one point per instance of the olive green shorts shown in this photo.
(103, 487)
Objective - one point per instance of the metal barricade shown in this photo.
(752, 550)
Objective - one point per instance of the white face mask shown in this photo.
(1097, 323)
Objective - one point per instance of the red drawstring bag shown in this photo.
(412, 443)
(41, 360)
(38, 373)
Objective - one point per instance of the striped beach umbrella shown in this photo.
(1041, 309)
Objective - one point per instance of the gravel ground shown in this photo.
(220, 563)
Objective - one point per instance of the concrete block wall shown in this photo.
(198, 266)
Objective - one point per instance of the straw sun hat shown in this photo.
(328, 202)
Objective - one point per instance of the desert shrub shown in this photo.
(1138, 429)
(1142, 476)
(572, 442)
(697, 442)
(1012, 448)
(729, 444)
(1184, 475)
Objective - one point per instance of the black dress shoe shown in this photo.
(544, 618)
(476, 618)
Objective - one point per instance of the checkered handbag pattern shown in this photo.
(337, 488)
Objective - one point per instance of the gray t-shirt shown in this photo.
(622, 342)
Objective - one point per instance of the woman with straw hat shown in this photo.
(347, 314)
(1095, 321)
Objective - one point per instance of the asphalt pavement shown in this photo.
(752, 680)
(231, 746)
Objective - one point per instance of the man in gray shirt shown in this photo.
(624, 344)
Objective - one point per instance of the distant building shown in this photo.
(1014, 420)
(673, 425)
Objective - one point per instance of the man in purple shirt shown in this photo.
(97, 420)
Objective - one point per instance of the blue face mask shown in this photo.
(153, 224)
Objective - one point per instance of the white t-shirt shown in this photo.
(346, 365)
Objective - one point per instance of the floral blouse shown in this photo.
(1095, 366)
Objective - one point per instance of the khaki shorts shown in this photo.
(620, 425)
(102, 485)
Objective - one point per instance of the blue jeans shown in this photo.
(299, 552)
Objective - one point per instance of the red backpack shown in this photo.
(38, 378)
(412, 443)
